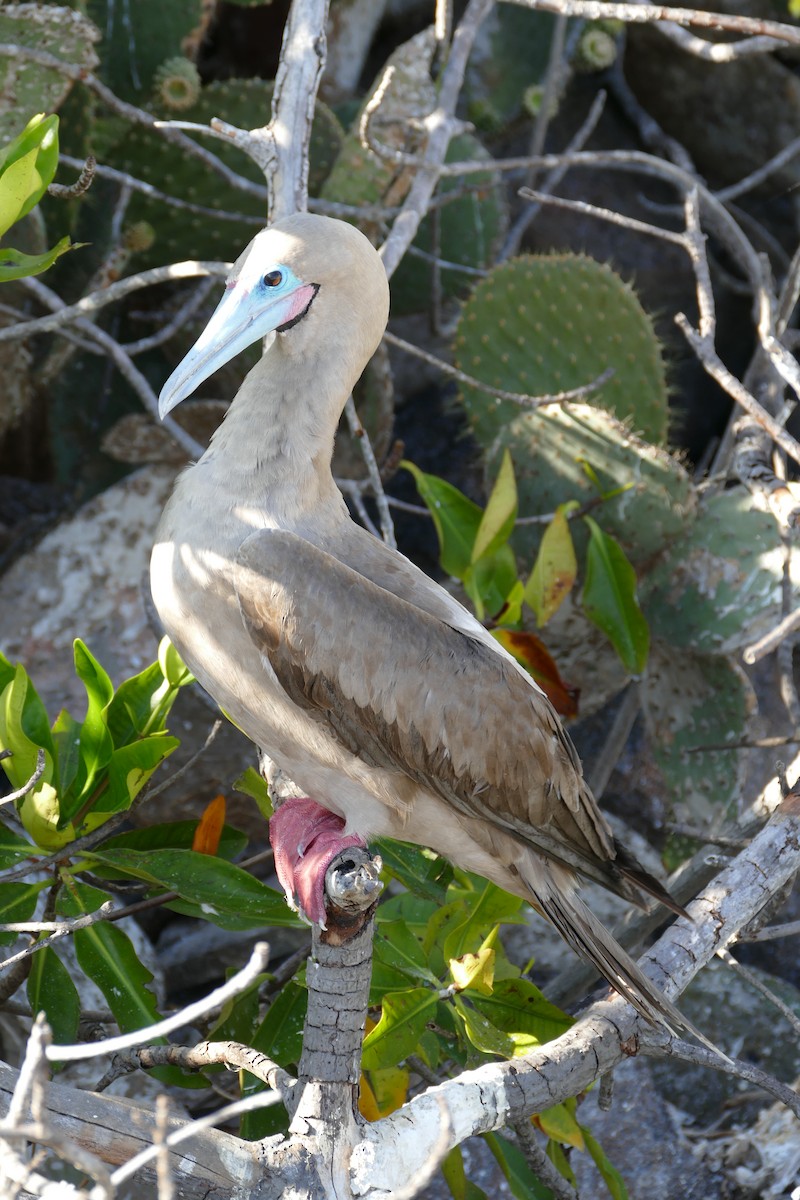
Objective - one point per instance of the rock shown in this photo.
(88, 578)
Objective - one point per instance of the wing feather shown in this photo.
(403, 689)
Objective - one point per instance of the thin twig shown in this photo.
(688, 1052)
(521, 398)
(360, 434)
(81, 185)
(192, 1012)
(193, 1128)
(644, 14)
(772, 932)
(65, 929)
(754, 981)
(713, 365)
(540, 1164)
(130, 112)
(771, 640)
(38, 772)
(69, 314)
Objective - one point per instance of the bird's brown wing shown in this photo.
(404, 690)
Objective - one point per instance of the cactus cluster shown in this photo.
(709, 567)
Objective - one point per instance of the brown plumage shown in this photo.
(372, 688)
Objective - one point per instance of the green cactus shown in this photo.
(549, 447)
(138, 37)
(511, 54)
(692, 701)
(180, 234)
(549, 323)
(719, 586)
(26, 87)
(596, 50)
(177, 84)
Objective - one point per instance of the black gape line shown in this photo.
(300, 315)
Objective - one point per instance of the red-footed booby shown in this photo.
(384, 699)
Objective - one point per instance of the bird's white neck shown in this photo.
(273, 450)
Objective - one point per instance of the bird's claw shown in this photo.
(306, 838)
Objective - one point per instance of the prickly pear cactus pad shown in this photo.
(719, 586)
(549, 447)
(26, 87)
(691, 701)
(544, 324)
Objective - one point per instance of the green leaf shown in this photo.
(51, 991)
(609, 599)
(404, 1016)
(521, 1179)
(107, 956)
(36, 148)
(14, 264)
(172, 665)
(455, 1177)
(421, 871)
(280, 1034)
(135, 701)
(485, 1036)
(67, 740)
(96, 745)
(518, 1007)
(13, 848)
(24, 728)
(484, 907)
(18, 903)
(555, 569)
(175, 835)
(559, 1123)
(130, 768)
(490, 581)
(455, 518)
(218, 887)
(251, 783)
(611, 1176)
(399, 959)
(500, 513)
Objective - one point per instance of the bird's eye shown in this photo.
(273, 279)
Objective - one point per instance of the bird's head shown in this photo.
(312, 280)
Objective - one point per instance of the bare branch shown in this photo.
(192, 1012)
(38, 772)
(645, 14)
(706, 352)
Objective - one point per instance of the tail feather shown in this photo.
(582, 931)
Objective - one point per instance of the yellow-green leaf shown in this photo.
(560, 1123)
(474, 970)
(500, 513)
(555, 569)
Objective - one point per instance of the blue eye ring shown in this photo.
(273, 279)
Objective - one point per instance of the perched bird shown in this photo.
(384, 699)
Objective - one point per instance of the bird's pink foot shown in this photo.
(305, 839)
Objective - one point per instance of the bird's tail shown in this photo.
(555, 896)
